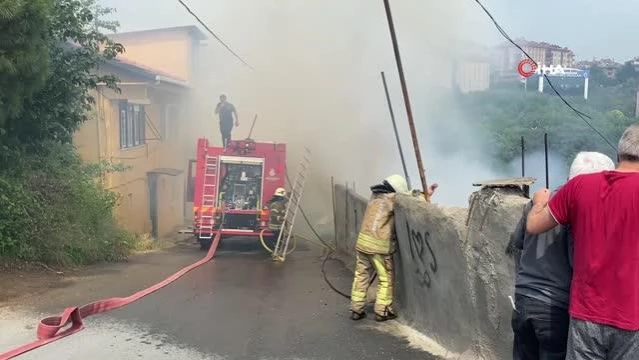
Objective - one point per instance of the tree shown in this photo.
(626, 72)
(77, 47)
(24, 57)
(51, 207)
(501, 117)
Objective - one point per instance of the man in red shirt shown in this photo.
(602, 210)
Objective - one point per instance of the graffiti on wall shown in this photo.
(422, 255)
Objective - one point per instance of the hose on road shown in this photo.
(271, 250)
(70, 322)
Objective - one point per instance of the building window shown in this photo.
(132, 124)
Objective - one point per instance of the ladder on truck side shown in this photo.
(209, 196)
(297, 187)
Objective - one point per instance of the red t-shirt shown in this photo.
(603, 212)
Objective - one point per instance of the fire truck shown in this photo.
(232, 187)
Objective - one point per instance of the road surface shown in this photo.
(240, 306)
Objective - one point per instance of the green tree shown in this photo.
(504, 116)
(78, 48)
(24, 57)
(51, 207)
(626, 72)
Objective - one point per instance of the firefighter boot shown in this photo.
(388, 314)
(358, 315)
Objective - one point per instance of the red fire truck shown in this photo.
(232, 187)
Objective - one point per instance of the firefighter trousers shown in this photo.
(383, 265)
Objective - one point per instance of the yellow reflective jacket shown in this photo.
(377, 233)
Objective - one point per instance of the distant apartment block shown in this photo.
(506, 57)
(471, 67)
(609, 66)
(472, 76)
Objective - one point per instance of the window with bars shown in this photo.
(132, 124)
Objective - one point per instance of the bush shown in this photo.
(55, 211)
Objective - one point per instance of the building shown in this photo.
(506, 57)
(471, 66)
(608, 66)
(140, 127)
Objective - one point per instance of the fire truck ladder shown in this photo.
(209, 195)
(297, 186)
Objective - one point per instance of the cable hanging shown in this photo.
(583, 116)
(214, 35)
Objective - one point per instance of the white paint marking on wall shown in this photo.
(415, 339)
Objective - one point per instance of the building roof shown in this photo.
(538, 44)
(146, 72)
(193, 31)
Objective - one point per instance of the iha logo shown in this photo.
(526, 68)
(271, 172)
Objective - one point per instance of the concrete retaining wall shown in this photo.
(453, 278)
(349, 209)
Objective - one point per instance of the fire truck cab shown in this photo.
(232, 188)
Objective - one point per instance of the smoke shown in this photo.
(535, 166)
(317, 84)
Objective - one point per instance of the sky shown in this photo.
(585, 26)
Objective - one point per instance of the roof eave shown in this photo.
(165, 79)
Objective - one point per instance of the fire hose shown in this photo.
(267, 248)
(70, 322)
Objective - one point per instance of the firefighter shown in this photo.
(375, 247)
(277, 207)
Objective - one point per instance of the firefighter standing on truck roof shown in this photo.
(375, 247)
(277, 208)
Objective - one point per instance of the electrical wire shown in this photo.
(579, 113)
(215, 35)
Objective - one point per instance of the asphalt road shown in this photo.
(240, 306)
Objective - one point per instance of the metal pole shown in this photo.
(252, 126)
(399, 144)
(546, 159)
(523, 157)
(346, 222)
(409, 112)
(334, 210)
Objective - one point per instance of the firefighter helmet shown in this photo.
(398, 183)
(280, 192)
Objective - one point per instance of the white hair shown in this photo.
(628, 148)
(587, 162)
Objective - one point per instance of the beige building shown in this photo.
(506, 56)
(140, 127)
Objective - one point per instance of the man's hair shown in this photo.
(587, 162)
(628, 148)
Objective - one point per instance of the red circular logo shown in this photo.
(526, 68)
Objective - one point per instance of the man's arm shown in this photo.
(548, 213)
(539, 219)
(217, 108)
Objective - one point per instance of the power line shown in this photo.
(583, 116)
(214, 35)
